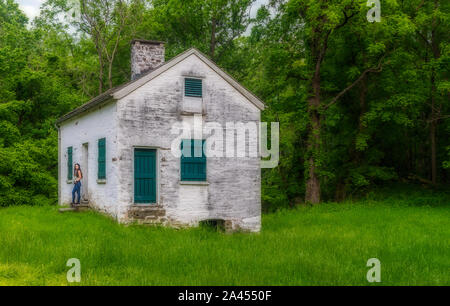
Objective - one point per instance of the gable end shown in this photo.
(125, 89)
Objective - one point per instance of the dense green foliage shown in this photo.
(35, 88)
(327, 244)
(359, 103)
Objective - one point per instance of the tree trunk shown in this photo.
(434, 113)
(433, 151)
(433, 125)
(212, 47)
(110, 74)
(313, 183)
(100, 70)
(358, 155)
(362, 102)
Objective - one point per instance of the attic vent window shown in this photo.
(193, 88)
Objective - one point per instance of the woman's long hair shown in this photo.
(75, 170)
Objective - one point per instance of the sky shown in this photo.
(31, 7)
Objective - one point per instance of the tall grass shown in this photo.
(324, 245)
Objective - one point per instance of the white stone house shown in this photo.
(124, 139)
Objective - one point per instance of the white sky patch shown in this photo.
(30, 7)
(256, 6)
(253, 10)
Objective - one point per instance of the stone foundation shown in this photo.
(147, 214)
(156, 215)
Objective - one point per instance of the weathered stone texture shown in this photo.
(147, 214)
(145, 55)
(88, 129)
(144, 118)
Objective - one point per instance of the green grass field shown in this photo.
(324, 245)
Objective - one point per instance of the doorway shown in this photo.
(145, 176)
(85, 168)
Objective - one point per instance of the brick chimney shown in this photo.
(145, 56)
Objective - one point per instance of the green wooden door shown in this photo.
(144, 176)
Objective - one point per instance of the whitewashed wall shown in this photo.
(89, 128)
(145, 118)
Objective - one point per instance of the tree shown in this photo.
(105, 22)
(35, 88)
(212, 26)
(431, 19)
(359, 103)
(322, 20)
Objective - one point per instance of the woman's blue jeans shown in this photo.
(76, 189)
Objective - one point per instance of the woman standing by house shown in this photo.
(78, 175)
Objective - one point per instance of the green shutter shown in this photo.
(193, 88)
(193, 168)
(69, 163)
(144, 176)
(102, 159)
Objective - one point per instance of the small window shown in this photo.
(193, 87)
(69, 163)
(193, 165)
(102, 159)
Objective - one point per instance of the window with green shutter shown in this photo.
(193, 87)
(69, 163)
(102, 159)
(193, 160)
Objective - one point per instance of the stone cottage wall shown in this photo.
(145, 119)
(98, 123)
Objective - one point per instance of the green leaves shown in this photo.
(366, 175)
(376, 48)
(378, 130)
(36, 87)
(446, 163)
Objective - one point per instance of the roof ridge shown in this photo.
(114, 93)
